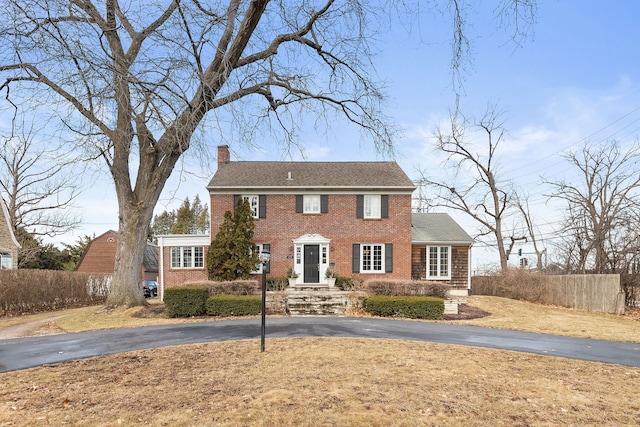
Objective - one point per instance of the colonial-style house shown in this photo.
(352, 217)
(100, 257)
(9, 246)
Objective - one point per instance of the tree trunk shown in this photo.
(126, 286)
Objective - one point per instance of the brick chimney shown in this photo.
(223, 155)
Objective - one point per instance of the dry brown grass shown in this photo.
(322, 382)
(333, 381)
(525, 316)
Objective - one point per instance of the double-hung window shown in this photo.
(311, 203)
(254, 204)
(438, 262)
(187, 257)
(372, 206)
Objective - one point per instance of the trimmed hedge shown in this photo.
(229, 287)
(406, 288)
(186, 301)
(234, 305)
(404, 306)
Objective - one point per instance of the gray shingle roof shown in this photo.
(437, 228)
(321, 175)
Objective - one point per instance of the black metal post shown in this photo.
(264, 304)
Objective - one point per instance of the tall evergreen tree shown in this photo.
(187, 219)
(200, 218)
(162, 224)
(75, 252)
(232, 254)
(184, 218)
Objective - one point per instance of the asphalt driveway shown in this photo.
(22, 353)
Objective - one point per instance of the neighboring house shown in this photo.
(353, 217)
(9, 246)
(100, 257)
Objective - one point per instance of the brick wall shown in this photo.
(178, 276)
(282, 225)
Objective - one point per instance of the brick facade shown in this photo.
(339, 224)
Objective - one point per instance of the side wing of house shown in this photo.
(8, 244)
(181, 258)
(441, 251)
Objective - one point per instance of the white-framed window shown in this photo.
(6, 261)
(187, 257)
(311, 203)
(438, 262)
(254, 204)
(371, 258)
(372, 206)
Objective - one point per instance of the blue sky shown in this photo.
(576, 78)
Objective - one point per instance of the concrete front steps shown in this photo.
(316, 301)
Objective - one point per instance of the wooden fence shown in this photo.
(592, 292)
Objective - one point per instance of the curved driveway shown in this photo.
(21, 353)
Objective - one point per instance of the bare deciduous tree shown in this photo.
(135, 81)
(603, 206)
(39, 185)
(473, 186)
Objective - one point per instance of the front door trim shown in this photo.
(300, 262)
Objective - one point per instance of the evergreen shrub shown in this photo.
(186, 301)
(234, 305)
(412, 307)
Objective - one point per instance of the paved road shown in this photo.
(21, 353)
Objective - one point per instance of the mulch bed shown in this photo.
(466, 312)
